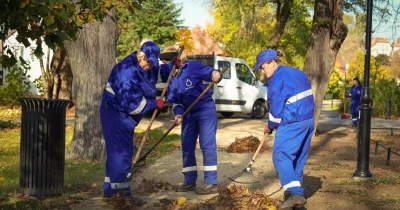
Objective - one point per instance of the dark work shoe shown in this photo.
(286, 195)
(182, 187)
(206, 189)
(293, 201)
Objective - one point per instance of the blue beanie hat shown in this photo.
(152, 51)
(264, 56)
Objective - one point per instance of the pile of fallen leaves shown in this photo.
(148, 186)
(239, 197)
(233, 197)
(245, 145)
(138, 137)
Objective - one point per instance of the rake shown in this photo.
(142, 160)
(245, 179)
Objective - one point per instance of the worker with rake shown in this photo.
(291, 114)
(130, 93)
(200, 122)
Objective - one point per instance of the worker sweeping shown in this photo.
(128, 95)
(291, 114)
(355, 95)
(200, 123)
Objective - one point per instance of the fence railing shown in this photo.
(391, 129)
(389, 151)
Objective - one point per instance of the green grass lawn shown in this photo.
(82, 179)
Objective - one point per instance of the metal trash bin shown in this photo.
(42, 147)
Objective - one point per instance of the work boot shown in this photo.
(182, 187)
(292, 201)
(207, 189)
(286, 195)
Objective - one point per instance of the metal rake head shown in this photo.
(244, 179)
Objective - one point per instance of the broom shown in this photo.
(245, 178)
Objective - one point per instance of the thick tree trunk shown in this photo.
(63, 75)
(92, 57)
(327, 35)
(282, 16)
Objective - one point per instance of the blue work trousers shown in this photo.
(201, 124)
(118, 131)
(290, 152)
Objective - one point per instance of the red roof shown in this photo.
(203, 44)
(377, 40)
(397, 43)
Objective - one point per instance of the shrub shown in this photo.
(17, 85)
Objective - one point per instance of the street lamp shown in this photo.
(365, 110)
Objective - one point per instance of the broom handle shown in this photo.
(256, 153)
(137, 155)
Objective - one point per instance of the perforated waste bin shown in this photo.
(42, 147)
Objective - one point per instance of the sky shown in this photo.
(194, 12)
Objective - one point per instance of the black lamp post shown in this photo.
(364, 131)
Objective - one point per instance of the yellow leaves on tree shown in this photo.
(23, 3)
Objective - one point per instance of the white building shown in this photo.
(27, 53)
(381, 46)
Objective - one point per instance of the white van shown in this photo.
(239, 91)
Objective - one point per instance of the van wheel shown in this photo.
(259, 110)
(227, 114)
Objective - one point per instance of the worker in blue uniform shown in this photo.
(129, 93)
(291, 114)
(355, 95)
(200, 123)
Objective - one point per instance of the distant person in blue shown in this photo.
(130, 93)
(200, 123)
(291, 114)
(355, 95)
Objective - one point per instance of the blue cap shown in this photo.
(152, 51)
(263, 56)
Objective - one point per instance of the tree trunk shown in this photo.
(92, 57)
(63, 75)
(327, 35)
(282, 16)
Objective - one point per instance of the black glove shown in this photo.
(267, 130)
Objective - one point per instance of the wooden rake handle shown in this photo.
(248, 168)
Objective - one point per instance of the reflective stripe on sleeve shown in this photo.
(299, 96)
(191, 168)
(273, 119)
(109, 89)
(291, 184)
(140, 107)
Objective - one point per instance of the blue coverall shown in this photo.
(355, 95)
(292, 115)
(128, 95)
(200, 122)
